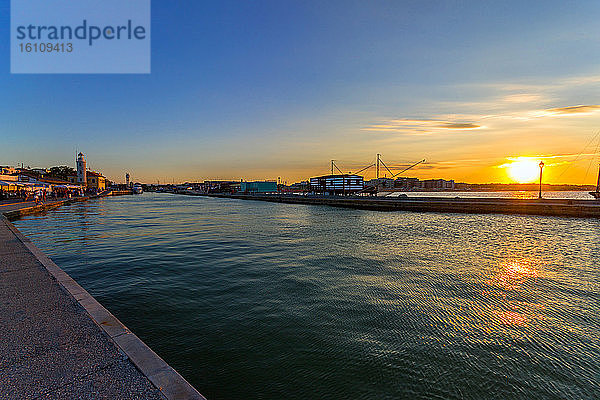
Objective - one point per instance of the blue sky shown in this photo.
(278, 88)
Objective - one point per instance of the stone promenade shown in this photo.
(58, 342)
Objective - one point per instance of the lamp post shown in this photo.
(541, 168)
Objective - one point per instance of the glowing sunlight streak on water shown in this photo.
(512, 283)
(512, 318)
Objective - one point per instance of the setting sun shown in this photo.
(523, 170)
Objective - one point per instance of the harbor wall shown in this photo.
(120, 192)
(547, 207)
(40, 208)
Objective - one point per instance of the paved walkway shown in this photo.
(50, 347)
(58, 342)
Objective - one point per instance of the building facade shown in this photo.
(407, 183)
(96, 181)
(429, 184)
(337, 184)
(222, 186)
(382, 183)
(438, 184)
(258, 187)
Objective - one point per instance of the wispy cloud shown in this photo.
(459, 125)
(581, 109)
(539, 86)
(421, 126)
(531, 98)
(521, 98)
(452, 164)
(444, 123)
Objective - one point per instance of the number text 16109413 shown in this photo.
(46, 47)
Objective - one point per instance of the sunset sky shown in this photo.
(267, 89)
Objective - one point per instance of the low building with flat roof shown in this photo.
(221, 186)
(342, 184)
(258, 187)
(437, 184)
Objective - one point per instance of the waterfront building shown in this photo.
(411, 184)
(96, 181)
(5, 170)
(32, 176)
(337, 184)
(86, 178)
(30, 181)
(407, 183)
(258, 187)
(222, 186)
(437, 184)
(382, 183)
(298, 187)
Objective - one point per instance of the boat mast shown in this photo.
(598, 183)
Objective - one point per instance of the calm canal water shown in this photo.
(256, 300)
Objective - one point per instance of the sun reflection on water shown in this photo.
(513, 274)
(512, 318)
(512, 283)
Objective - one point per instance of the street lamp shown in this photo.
(541, 167)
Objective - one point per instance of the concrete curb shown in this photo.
(168, 381)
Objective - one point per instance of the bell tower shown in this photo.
(81, 174)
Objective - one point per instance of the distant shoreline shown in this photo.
(485, 190)
(503, 187)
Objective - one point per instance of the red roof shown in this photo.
(54, 181)
(92, 173)
(88, 173)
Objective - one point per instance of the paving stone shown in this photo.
(100, 385)
(17, 260)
